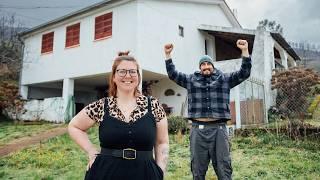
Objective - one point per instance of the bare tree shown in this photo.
(10, 64)
(10, 46)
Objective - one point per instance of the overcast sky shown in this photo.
(300, 19)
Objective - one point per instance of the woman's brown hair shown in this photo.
(122, 56)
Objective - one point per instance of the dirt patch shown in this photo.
(22, 143)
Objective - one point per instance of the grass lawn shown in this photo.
(10, 130)
(262, 156)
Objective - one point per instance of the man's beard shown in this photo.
(204, 73)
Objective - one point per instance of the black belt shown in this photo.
(206, 124)
(128, 153)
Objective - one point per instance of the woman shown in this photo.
(130, 127)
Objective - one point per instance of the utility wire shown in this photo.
(24, 16)
(39, 7)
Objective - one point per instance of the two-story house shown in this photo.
(67, 61)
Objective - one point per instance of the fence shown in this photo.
(252, 102)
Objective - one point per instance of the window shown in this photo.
(181, 32)
(206, 46)
(103, 26)
(47, 42)
(73, 35)
(169, 92)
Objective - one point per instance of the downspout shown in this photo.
(21, 66)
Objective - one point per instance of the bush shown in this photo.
(314, 104)
(176, 124)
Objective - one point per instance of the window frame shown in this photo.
(103, 26)
(181, 30)
(73, 35)
(47, 42)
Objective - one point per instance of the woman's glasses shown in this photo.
(123, 72)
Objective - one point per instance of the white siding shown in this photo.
(158, 24)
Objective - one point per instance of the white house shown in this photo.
(68, 60)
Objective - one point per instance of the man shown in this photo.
(208, 108)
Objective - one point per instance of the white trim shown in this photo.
(236, 30)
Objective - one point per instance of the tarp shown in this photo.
(70, 109)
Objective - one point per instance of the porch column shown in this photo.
(284, 58)
(24, 91)
(237, 106)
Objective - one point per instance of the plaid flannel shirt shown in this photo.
(209, 97)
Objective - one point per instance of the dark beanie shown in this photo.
(205, 58)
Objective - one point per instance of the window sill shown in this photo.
(100, 39)
(46, 53)
(73, 46)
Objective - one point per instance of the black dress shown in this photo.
(115, 134)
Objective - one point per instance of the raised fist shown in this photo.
(242, 44)
(168, 48)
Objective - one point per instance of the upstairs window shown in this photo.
(47, 42)
(181, 31)
(73, 35)
(103, 26)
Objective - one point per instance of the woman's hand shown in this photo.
(92, 157)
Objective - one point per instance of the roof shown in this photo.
(98, 5)
(284, 44)
(63, 18)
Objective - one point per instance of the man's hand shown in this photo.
(243, 46)
(167, 50)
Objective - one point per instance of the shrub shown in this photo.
(293, 86)
(176, 124)
(314, 104)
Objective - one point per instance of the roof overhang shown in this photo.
(284, 44)
(84, 11)
(235, 30)
(229, 33)
(113, 3)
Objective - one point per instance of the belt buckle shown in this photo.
(128, 150)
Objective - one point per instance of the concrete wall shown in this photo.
(50, 109)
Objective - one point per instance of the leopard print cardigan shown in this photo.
(95, 110)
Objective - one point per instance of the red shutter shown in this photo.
(73, 35)
(103, 26)
(47, 42)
